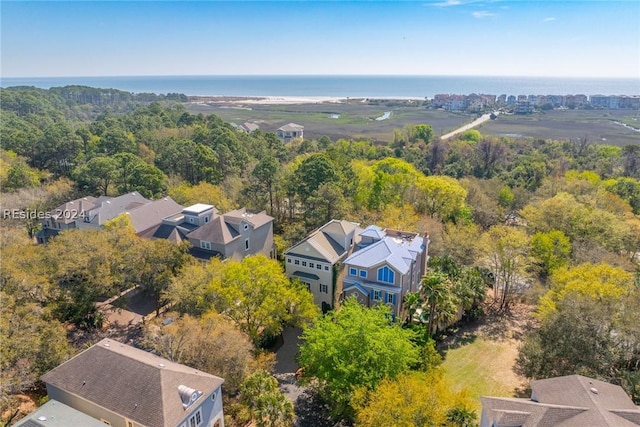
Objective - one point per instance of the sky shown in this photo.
(428, 37)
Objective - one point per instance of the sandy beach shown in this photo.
(266, 100)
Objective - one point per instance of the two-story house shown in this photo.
(233, 235)
(126, 387)
(386, 266)
(65, 216)
(289, 132)
(316, 260)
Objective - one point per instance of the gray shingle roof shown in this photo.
(256, 220)
(291, 127)
(328, 248)
(133, 383)
(149, 215)
(109, 208)
(569, 401)
(216, 230)
(73, 210)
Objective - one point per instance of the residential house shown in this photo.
(316, 260)
(233, 235)
(248, 127)
(569, 401)
(126, 387)
(107, 208)
(144, 218)
(289, 132)
(64, 217)
(386, 265)
(57, 414)
(92, 212)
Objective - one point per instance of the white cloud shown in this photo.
(447, 3)
(482, 14)
(549, 19)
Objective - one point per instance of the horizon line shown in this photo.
(322, 75)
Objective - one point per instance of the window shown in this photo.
(389, 298)
(195, 420)
(326, 268)
(311, 265)
(324, 288)
(304, 263)
(363, 273)
(318, 267)
(129, 423)
(205, 245)
(385, 274)
(308, 286)
(288, 260)
(377, 295)
(206, 219)
(191, 220)
(353, 271)
(246, 244)
(246, 226)
(296, 262)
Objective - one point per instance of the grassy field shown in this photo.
(357, 120)
(597, 125)
(481, 356)
(484, 367)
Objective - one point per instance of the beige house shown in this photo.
(569, 401)
(316, 260)
(289, 132)
(123, 386)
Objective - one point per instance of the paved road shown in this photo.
(471, 125)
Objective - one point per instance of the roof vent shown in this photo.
(106, 344)
(593, 390)
(160, 365)
(188, 395)
(42, 418)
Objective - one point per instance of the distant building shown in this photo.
(123, 386)
(569, 401)
(289, 132)
(248, 127)
(524, 107)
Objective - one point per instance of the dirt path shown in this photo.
(471, 125)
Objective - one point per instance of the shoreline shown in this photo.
(289, 100)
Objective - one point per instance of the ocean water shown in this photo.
(343, 86)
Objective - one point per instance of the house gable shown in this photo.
(132, 383)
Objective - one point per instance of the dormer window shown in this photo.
(246, 226)
(188, 395)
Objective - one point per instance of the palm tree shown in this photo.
(412, 302)
(436, 289)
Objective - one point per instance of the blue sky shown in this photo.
(429, 37)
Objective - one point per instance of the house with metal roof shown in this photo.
(568, 401)
(386, 265)
(316, 260)
(289, 132)
(57, 414)
(123, 386)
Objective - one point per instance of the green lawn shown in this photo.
(484, 367)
